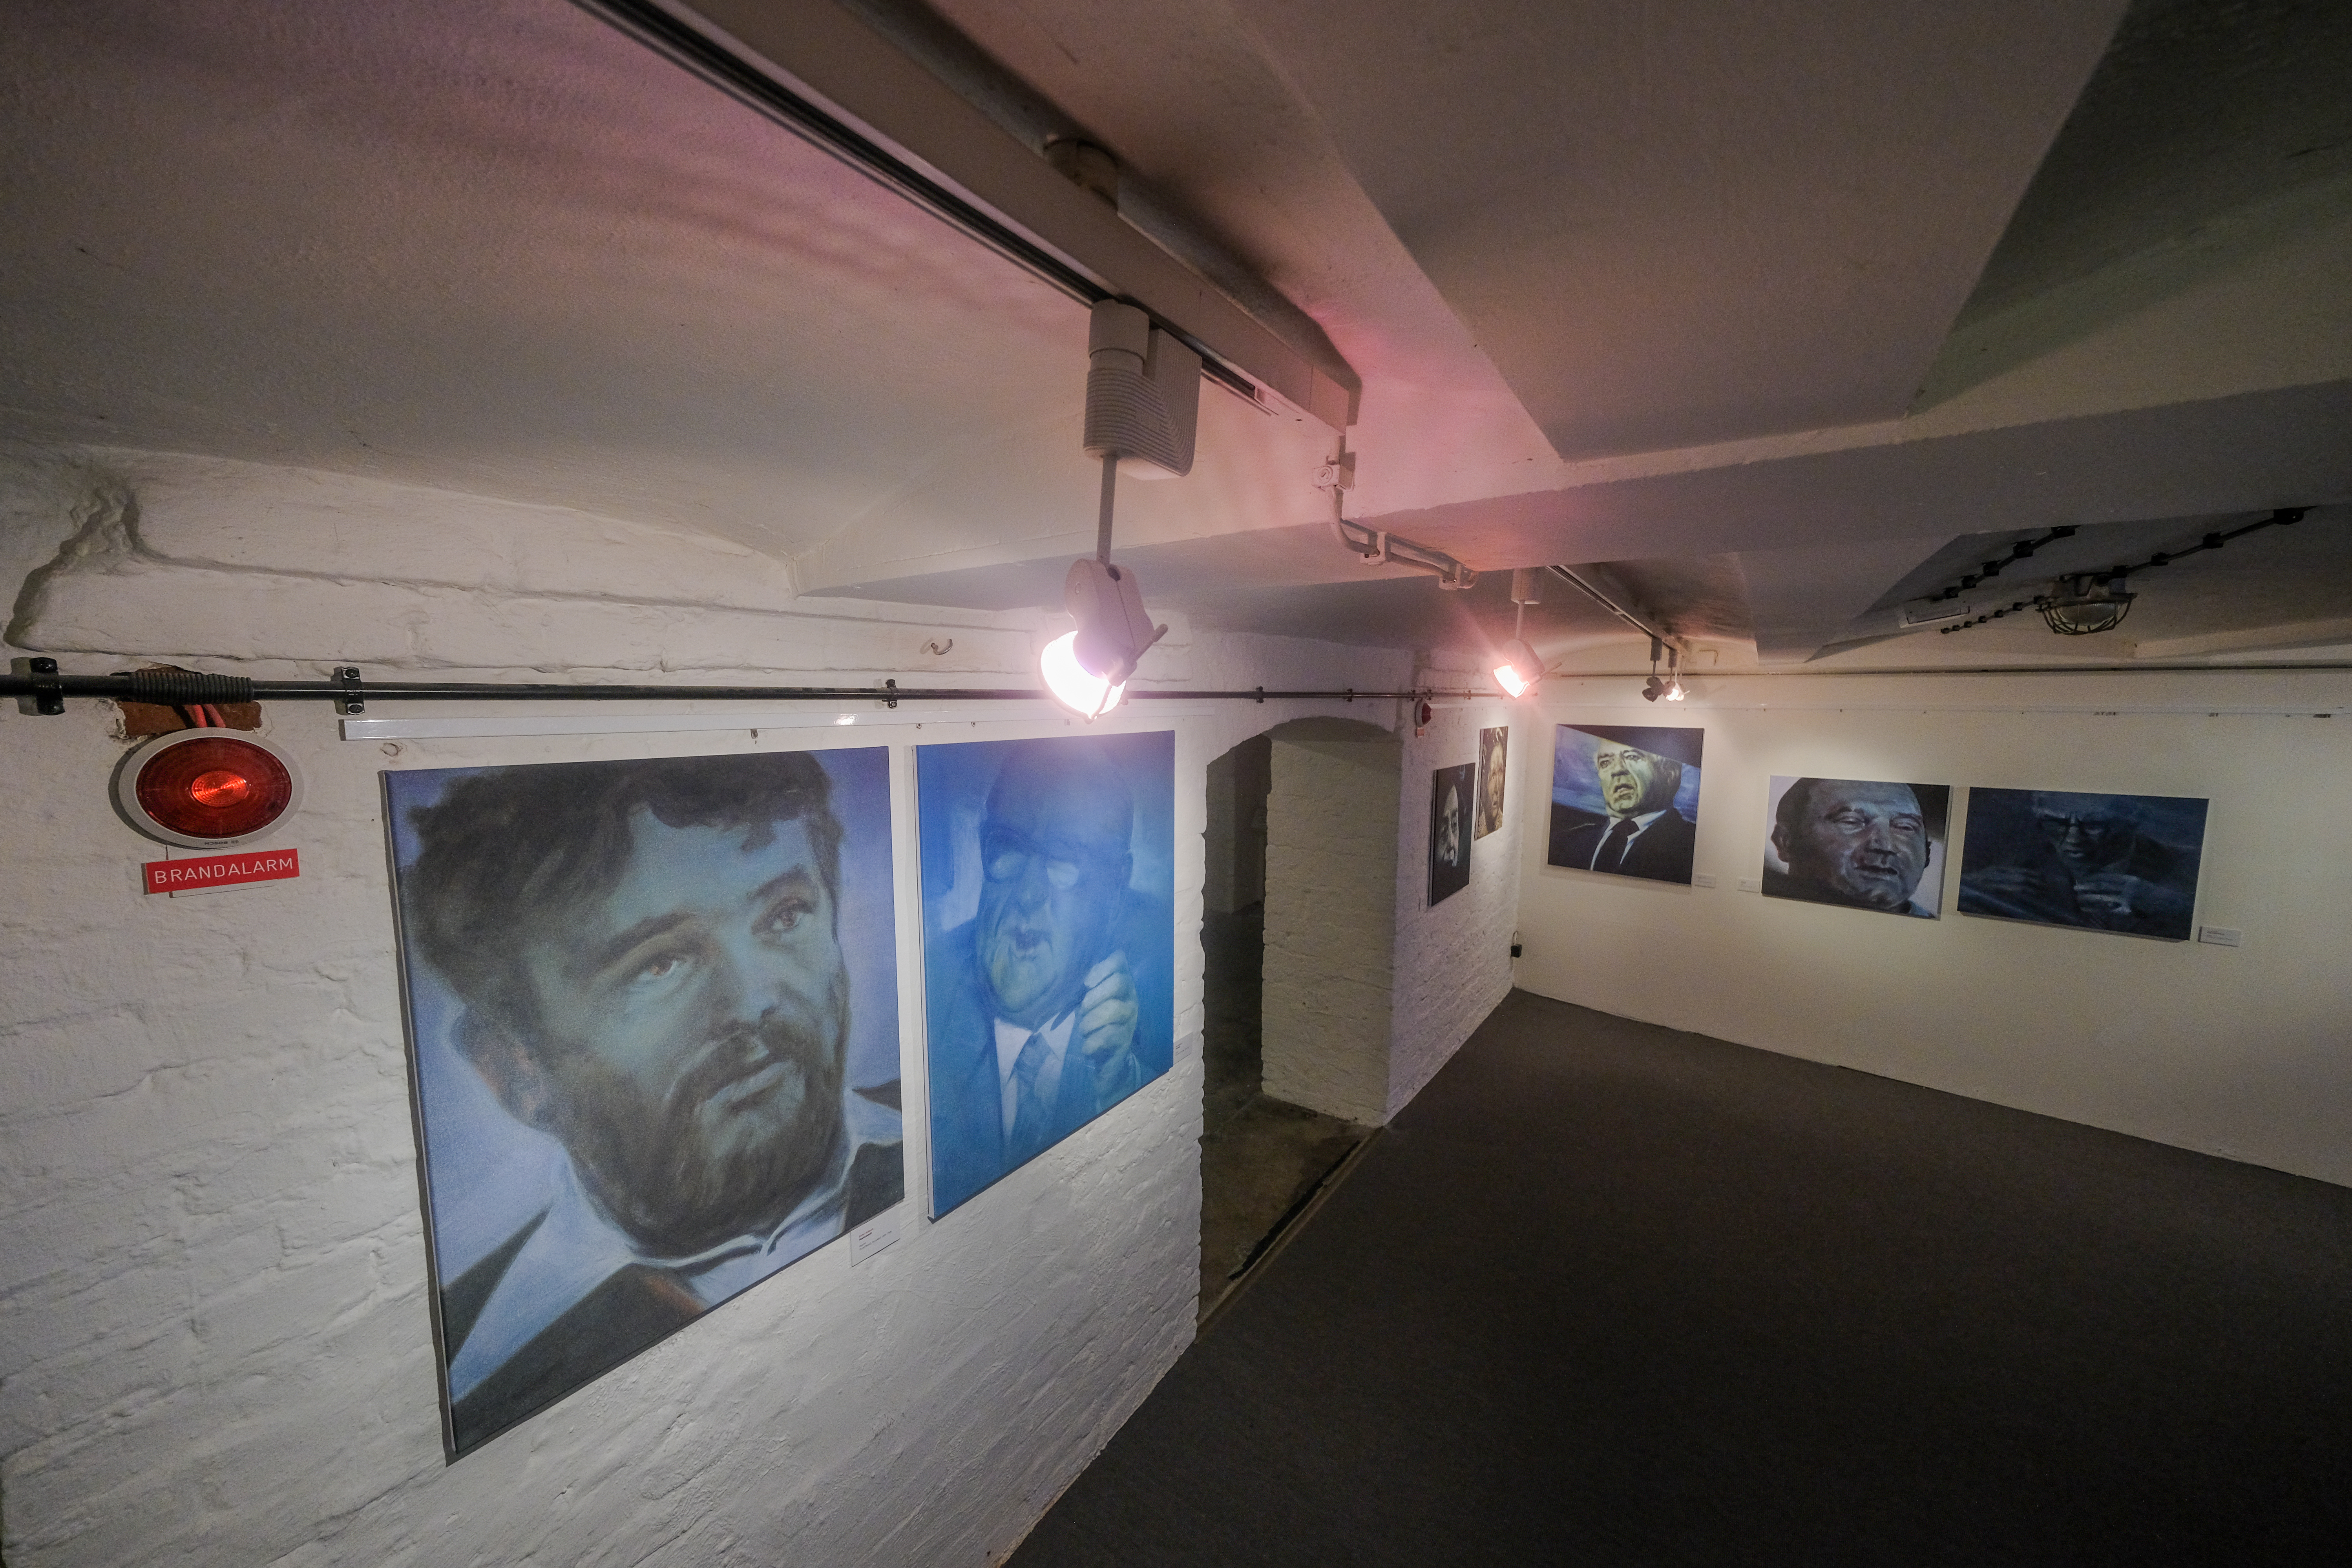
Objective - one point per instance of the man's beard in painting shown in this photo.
(744, 1135)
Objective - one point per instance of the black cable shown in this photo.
(2282, 517)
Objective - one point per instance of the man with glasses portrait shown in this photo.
(1035, 1001)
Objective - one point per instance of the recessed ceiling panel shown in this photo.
(1676, 224)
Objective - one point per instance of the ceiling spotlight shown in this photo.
(1143, 397)
(2085, 603)
(1517, 666)
(1671, 687)
(206, 789)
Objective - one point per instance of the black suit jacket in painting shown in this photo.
(1661, 852)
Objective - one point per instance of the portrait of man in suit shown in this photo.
(642, 962)
(1051, 1000)
(1625, 800)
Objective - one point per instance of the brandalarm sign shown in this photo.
(221, 870)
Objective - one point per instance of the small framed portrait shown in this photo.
(2125, 863)
(1624, 800)
(654, 1040)
(1049, 941)
(1859, 844)
(1452, 802)
(1494, 776)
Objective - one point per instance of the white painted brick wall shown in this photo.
(1453, 963)
(1330, 867)
(215, 1348)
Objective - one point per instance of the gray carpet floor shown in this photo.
(1610, 1294)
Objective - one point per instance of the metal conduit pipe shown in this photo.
(49, 688)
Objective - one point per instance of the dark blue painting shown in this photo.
(2123, 863)
(1624, 800)
(1049, 941)
(654, 1034)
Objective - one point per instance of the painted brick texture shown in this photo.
(215, 1348)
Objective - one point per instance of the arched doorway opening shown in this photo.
(1297, 895)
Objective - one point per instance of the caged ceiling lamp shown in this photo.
(1143, 399)
(2087, 602)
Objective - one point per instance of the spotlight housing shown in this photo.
(1517, 668)
(206, 788)
(1143, 394)
(1087, 670)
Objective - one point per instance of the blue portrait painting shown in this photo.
(1624, 800)
(653, 1041)
(1049, 941)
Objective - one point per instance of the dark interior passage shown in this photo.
(1261, 1159)
(1608, 1293)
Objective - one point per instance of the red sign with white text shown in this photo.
(221, 870)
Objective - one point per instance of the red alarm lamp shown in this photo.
(206, 788)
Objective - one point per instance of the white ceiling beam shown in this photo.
(822, 53)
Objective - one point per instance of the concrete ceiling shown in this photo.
(1770, 308)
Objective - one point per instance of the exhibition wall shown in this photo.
(2231, 1050)
(218, 1349)
(1370, 988)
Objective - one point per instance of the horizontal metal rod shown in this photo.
(1690, 674)
(173, 686)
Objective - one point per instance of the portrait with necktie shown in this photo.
(1049, 941)
(653, 1014)
(1624, 800)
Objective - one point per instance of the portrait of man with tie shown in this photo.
(650, 1071)
(1625, 800)
(1049, 952)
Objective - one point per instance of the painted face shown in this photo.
(2087, 831)
(1449, 829)
(1633, 781)
(1054, 859)
(1867, 843)
(1494, 779)
(694, 1022)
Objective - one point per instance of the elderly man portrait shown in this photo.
(1055, 1001)
(648, 959)
(1856, 843)
(1639, 832)
(2093, 860)
(1494, 777)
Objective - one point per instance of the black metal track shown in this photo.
(743, 80)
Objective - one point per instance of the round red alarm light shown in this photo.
(203, 788)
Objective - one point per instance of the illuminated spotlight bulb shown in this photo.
(206, 789)
(1674, 692)
(1087, 670)
(1517, 668)
(1074, 686)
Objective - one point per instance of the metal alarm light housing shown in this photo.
(206, 788)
